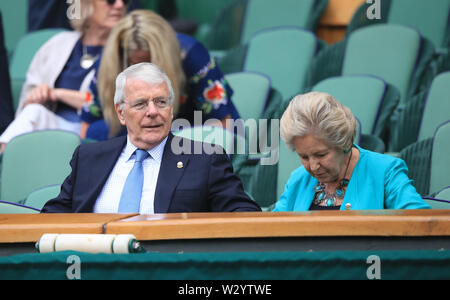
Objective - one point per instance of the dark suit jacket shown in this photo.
(206, 183)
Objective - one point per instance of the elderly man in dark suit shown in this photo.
(141, 172)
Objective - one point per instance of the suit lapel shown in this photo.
(170, 173)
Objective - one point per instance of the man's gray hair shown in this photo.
(147, 72)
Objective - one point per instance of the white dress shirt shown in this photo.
(109, 198)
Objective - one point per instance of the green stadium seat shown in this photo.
(250, 93)
(387, 51)
(444, 194)
(437, 106)
(35, 160)
(203, 12)
(421, 116)
(238, 22)
(293, 47)
(430, 18)
(250, 96)
(440, 159)
(441, 200)
(39, 197)
(264, 14)
(14, 208)
(15, 22)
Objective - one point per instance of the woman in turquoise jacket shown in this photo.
(336, 174)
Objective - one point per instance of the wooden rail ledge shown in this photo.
(381, 223)
(21, 228)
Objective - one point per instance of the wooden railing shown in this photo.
(376, 223)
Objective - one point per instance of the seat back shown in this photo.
(39, 197)
(250, 93)
(440, 159)
(288, 161)
(263, 14)
(35, 160)
(215, 135)
(387, 51)
(14, 208)
(429, 18)
(15, 22)
(359, 131)
(24, 52)
(444, 194)
(284, 54)
(437, 203)
(250, 96)
(364, 96)
(201, 11)
(437, 106)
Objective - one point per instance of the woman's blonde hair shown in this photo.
(80, 22)
(139, 30)
(321, 115)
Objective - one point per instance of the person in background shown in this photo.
(6, 111)
(53, 13)
(60, 73)
(144, 36)
(143, 172)
(337, 174)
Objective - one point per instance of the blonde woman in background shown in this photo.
(144, 36)
(60, 73)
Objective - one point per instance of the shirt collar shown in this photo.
(156, 152)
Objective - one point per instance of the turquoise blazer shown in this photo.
(378, 182)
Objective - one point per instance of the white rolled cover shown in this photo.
(91, 243)
(47, 243)
(123, 243)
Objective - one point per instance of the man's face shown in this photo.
(149, 126)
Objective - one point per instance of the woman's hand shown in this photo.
(41, 94)
(44, 93)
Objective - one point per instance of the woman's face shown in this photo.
(138, 56)
(323, 162)
(107, 15)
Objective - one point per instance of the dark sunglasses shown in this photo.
(111, 2)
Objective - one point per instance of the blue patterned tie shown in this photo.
(130, 200)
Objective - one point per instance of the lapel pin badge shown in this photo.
(179, 165)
